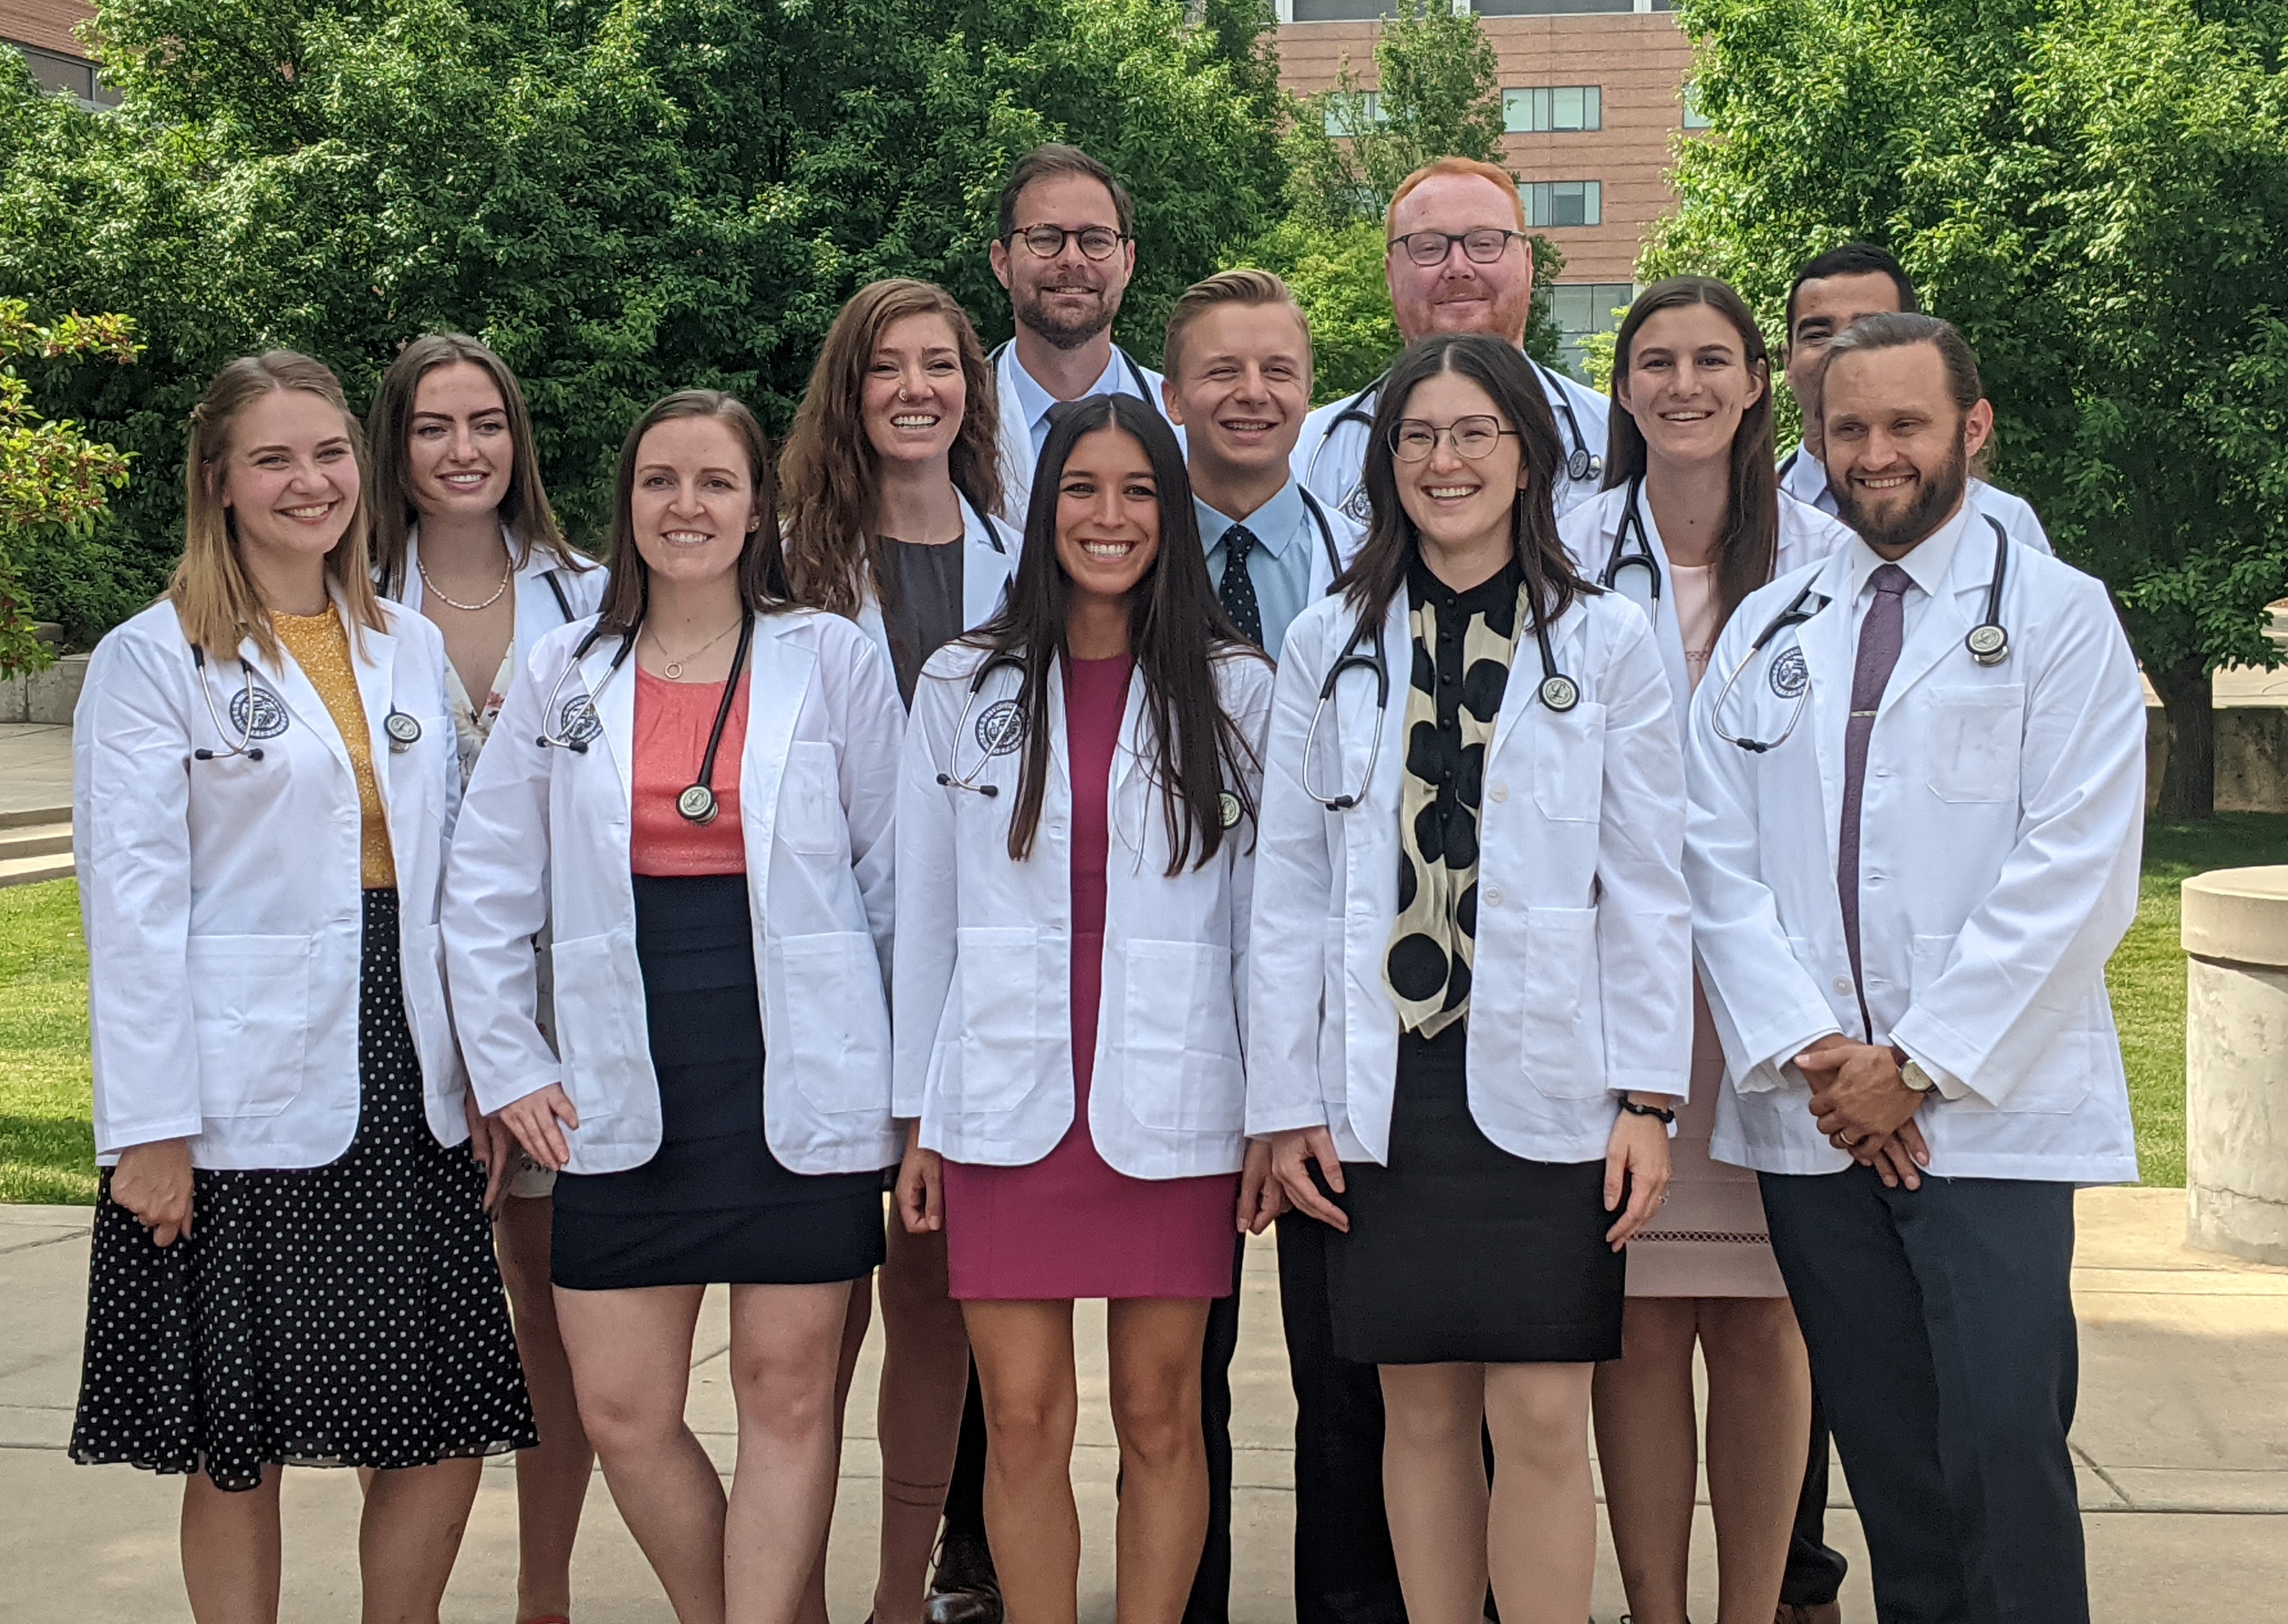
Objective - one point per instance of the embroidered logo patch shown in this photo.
(1355, 507)
(269, 715)
(1790, 675)
(1001, 728)
(577, 722)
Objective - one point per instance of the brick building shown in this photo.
(1593, 95)
(41, 29)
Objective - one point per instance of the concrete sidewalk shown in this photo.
(2183, 1443)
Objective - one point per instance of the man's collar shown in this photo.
(1276, 525)
(1038, 401)
(1926, 563)
(1806, 479)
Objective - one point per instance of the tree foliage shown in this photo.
(2094, 190)
(622, 196)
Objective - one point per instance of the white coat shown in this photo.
(1016, 424)
(1804, 478)
(1583, 985)
(1591, 533)
(984, 989)
(222, 899)
(545, 836)
(1330, 456)
(989, 561)
(2001, 824)
(548, 594)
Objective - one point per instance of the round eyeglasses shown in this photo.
(1412, 440)
(1482, 246)
(1047, 242)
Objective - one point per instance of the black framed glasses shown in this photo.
(1413, 440)
(1047, 242)
(1482, 246)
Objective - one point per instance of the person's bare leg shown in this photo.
(916, 1416)
(231, 1551)
(786, 1363)
(409, 1536)
(1759, 1418)
(856, 1320)
(1434, 1484)
(1543, 1528)
(551, 1480)
(1648, 1449)
(1153, 1347)
(1032, 1405)
(631, 1353)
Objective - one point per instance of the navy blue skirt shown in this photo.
(714, 1207)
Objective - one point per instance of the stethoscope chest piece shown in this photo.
(1583, 464)
(404, 731)
(1228, 806)
(697, 804)
(1988, 643)
(1560, 692)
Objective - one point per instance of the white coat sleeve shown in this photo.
(2068, 891)
(497, 895)
(1295, 895)
(131, 841)
(869, 720)
(1251, 718)
(928, 891)
(1767, 1007)
(1644, 917)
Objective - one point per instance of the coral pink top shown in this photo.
(672, 721)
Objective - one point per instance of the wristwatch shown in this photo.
(1911, 1073)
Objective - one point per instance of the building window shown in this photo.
(1347, 114)
(1694, 118)
(1584, 307)
(1547, 8)
(1563, 203)
(1552, 108)
(1339, 11)
(65, 76)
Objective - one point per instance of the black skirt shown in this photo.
(714, 1207)
(348, 1315)
(1460, 1253)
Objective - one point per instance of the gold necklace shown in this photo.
(673, 669)
(508, 569)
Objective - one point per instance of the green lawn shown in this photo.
(47, 1150)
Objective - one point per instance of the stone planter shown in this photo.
(2236, 931)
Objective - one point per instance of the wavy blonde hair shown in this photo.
(216, 599)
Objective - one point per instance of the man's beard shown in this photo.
(1034, 314)
(1938, 499)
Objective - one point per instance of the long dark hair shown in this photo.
(828, 471)
(762, 566)
(1176, 627)
(1379, 573)
(1749, 544)
(524, 511)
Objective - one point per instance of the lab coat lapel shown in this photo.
(1131, 781)
(1827, 641)
(779, 673)
(1521, 694)
(985, 568)
(1059, 764)
(1016, 442)
(615, 703)
(1668, 632)
(373, 659)
(293, 686)
(1947, 619)
(1368, 829)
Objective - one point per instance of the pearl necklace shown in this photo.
(508, 569)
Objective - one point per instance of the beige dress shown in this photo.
(1710, 1240)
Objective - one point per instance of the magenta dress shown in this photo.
(1069, 1225)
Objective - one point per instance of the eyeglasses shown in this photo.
(1483, 246)
(1412, 439)
(1047, 242)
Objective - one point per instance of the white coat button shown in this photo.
(1843, 984)
(1492, 895)
(1500, 791)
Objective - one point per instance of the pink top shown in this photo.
(673, 721)
(1695, 585)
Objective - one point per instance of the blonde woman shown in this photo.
(291, 1264)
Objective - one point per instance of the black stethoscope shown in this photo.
(1556, 690)
(403, 731)
(577, 723)
(1621, 558)
(1581, 463)
(1988, 643)
(1135, 375)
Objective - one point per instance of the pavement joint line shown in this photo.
(11, 1248)
(2101, 1474)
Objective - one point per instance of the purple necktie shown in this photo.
(1879, 636)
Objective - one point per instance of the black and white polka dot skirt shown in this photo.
(348, 1315)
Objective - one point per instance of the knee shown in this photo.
(621, 1419)
(1422, 1422)
(1029, 1427)
(790, 1400)
(1158, 1418)
(1540, 1426)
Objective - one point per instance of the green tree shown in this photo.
(1437, 94)
(2094, 191)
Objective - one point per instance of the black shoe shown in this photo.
(964, 1588)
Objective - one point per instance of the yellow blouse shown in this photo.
(321, 649)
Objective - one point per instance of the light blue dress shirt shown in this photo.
(1038, 401)
(1280, 566)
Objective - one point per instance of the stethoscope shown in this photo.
(1135, 375)
(1581, 463)
(577, 723)
(404, 731)
(1556, 690)
(1988, 643)
(1621, 558)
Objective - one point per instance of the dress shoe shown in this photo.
(964, 1590)
(1810, 1612)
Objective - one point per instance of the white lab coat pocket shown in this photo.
(251, 1006)
(998, 970)
(600, 1021)
(1182, 1053)
(1568, 759)
(1973, 741)
(834, 1040)
(810, 801)
(1559, 994)
(2041, 1065)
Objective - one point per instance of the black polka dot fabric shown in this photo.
(1463, 643)
(348, 1315)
